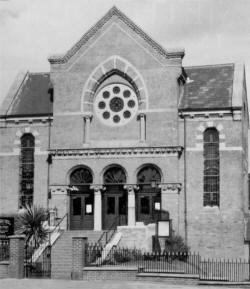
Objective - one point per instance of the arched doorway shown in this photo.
(114, 198)
(148, 197)
(81, 200)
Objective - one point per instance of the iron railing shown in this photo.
(168, 262)
(4, 249)
(224, 270)
(164, 261)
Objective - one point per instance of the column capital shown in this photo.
(171, 188)
(97, 188)
(59, 189)
(130, 188)
(87, 115)
(141, 114)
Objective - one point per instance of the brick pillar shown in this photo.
(170, 202)
(17, 252)
(78, 257)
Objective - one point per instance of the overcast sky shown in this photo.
(211, 31)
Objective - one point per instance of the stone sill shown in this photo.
(4, 263)
(169, 275)
(115, 268)
(224, 283)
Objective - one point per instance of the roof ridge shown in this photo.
(210, 65)
(39, 72)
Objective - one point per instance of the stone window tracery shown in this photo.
(116, 104)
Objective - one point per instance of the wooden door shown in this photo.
(82, 212)
(148, 206)
(114, 208)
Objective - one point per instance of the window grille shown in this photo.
(211, 168)
(27, 170)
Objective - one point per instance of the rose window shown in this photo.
(116, 104)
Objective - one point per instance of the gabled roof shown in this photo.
(208, 87)
(92, 31)
(32, 98)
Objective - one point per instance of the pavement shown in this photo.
(69, 284)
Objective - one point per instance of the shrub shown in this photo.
(177, 248)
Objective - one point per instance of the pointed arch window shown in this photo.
(27, 169)
(211, 168)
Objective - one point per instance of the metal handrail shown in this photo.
(59, 223)
(105, 233)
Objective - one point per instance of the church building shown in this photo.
(118, 134)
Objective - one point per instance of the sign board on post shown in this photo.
(163, 228)
(6, 226)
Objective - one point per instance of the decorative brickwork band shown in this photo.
(16, 266)
(170, 188)
(78, 257)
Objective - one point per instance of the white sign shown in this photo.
(163, 228)
(88, 209)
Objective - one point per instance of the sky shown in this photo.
(210, 31)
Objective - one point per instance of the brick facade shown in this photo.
(163, 134)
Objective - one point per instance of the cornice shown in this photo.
(206, 113)
(28, 119)
(60, 59)
(118, 152)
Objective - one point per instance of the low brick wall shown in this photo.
(178, 279)
(97, 273)
(4, 269)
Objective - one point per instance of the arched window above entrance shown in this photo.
(114, 175)
(148, 175)
(81, 199)
(81, 176)
(148, 197)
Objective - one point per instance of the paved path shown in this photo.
(67, 284)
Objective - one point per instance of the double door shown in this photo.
(148, 205)
(82, 211)
(114, 207)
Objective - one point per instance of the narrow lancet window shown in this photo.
(27, 170)
(211, 168)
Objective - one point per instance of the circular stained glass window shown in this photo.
(106, 94)
(106, 115)
(116, 118)
(126, 93)
(101, 104)
(116, 89)
(116, 104)
(131, 103)
(127, 114)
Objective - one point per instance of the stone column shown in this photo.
(97, 207)
(142, 127)
(87, 119)
(17, 251)
(78, 257)
(131, 204)
(170, 202)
